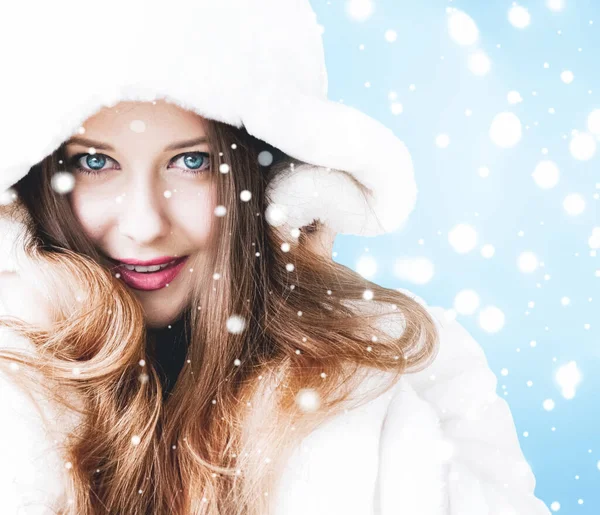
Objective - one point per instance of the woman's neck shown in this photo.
(167, 347)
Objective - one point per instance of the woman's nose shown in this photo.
(143, 214)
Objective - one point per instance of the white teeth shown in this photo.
(148, 269)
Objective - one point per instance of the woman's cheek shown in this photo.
(195, 210)
(91, 212)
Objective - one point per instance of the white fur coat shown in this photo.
(441, 442)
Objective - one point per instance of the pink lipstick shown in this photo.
(151, 280)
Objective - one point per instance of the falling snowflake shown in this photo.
(491, 319)
(546, 174)
(418, 270)
(506, 130)
(462, 28)
(245, 195)
(442, 140)
(527, 262)
(466, 302)
(463, 238)
(582, 146)
(366, 266)
(308, 400)
(574, 204)
(236, 324)
(276, 215)
(567, 76)
(359, 10)
(220, 211)
(265, 158)
(514, 97)
(519, 16)
(62, 182)
(8, 197)
(479, 63)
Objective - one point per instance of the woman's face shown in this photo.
(150, 197)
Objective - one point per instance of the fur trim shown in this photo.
(267, 73)
(441, 442)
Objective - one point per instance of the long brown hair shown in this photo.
(216, 444)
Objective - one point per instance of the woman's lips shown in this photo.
(151, 280)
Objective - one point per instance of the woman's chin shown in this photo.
(159, 315)
(159, 322)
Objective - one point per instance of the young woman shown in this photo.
(251, 374)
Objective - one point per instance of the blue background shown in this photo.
(561, 445)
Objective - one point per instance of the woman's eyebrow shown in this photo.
(103, 146)
(187, 143)
(88, 143)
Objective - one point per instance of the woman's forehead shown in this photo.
(157, 122)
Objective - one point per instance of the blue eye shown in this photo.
(95, 162)
(194, 163)
(194, 160)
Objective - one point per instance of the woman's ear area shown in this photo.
(320, 238)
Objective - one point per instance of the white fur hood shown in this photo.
(264, 71)
(441, 442)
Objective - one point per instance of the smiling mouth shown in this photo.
(149, 269)
(147, 278)
(115, 265)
